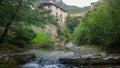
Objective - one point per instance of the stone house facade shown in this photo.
(58, 12)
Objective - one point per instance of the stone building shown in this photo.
(58, 12)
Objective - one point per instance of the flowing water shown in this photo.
(50, 60)
(33, 64)
(47, 59)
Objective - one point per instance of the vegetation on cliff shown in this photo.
(100, 26)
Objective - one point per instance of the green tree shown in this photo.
(100, 26)
(14, 13)
(6, 19)
(71, 23)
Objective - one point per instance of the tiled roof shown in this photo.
(48, 3)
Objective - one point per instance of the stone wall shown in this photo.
(59, 13)
(61, 16)
(51, 30)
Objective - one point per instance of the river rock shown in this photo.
(83, 52)
(11, 60)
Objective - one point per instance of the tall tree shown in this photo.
(12, 17)
(101, 26)
(14, 12)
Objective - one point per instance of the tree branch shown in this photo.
(10, 22)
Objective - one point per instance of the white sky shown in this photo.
(79, 3)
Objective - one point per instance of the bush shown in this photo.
(100, 27)
(63, 34)
(44, 40)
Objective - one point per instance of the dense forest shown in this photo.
(100, 26)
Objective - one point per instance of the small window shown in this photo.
(48, 6)
(61, 19)
(50, 10)
(60, 15)
(56, 14)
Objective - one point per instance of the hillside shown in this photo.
(70, 9)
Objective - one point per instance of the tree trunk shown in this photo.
(10, 22)
(0, 1)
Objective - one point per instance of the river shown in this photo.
(50, 59)
(45, 59)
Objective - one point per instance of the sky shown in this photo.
(79, 3)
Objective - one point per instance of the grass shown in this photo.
(44, 40)
(42, 37)
(39, 37)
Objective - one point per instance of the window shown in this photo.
(56, 14)
(49, 10)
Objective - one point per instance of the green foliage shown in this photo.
(73, 9)
(100, 26)
(20, 31)
(44, 40)
(63, 34)
(71, 23)
(79, 35)
(20, 35)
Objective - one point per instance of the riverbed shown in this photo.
(51, 59)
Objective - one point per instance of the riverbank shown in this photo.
(68, 54)
(10, 49)
(11, 57)
(69, 59)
